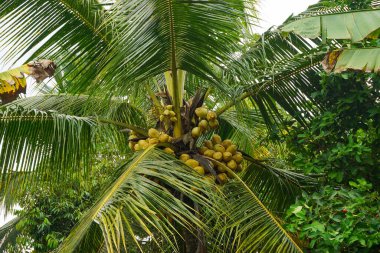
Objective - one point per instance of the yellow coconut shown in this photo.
(201, 112)
(202, 150)
(167, 113)
(232, 149)
(222, 178)
(196, 132)
(132, 136)
(232, 165)
(152, 141)
(200, 170)
(226, 143)
(211, 116)
(238, 157)
(169, 151)
(209, 153)
(209, 144)
(153, 133)
(192, 163)
(163, 138)
(184, 157)
(216, 139)
(227, 156)
(217, 156)
(219, 148)
(143, 144)
(213, 123)
(221, 168)
(203, 124)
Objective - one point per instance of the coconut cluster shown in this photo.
(191, 162)
(205, 121)
(154, 137)
(168, 116)
(224, 154)
(220, 153)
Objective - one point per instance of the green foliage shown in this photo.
(48, 215)
(338, 219)
(49, 211)
(343, 141)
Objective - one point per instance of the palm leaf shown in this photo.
(250, 225)
(134, 202)
(353, 25)
(8, 234)
(73, 35)
(276, 75)
(275, 183)
(118, 110)
(170, 36)
(33, 140)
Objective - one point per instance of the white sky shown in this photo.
(275, 12)
(272, 13)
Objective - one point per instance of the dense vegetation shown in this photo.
(342, 145)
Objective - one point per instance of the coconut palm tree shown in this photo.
(141, 74)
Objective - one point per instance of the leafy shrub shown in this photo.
(338, 220)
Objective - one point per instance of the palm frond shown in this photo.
(70, 32)
(136, 204)
(32, 140)
(245, 127)
(250, 225)
(278, 75)
(86, 106)
(275, 183)
(8, 233)
(159, 36)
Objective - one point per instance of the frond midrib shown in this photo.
(84, 20)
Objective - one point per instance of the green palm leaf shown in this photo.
(251, 226)
(8, 234)
(135, 202)
(33, 139)
(354, 25)
(68, 31)
(117, 110)
(276, 75)
(171, 35)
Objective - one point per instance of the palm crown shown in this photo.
(141, 74)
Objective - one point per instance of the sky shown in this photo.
(275, 12)
(272, 13)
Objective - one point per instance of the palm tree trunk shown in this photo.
(195, 241)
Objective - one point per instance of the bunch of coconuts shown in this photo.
(167, 117)
(222, 154)
(139, 143)
(218, 154)
(206, 120)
